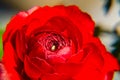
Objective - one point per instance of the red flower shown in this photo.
(55, 43)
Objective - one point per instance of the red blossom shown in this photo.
(55, 43)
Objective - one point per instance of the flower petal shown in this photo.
(31, 69)
(43, 66)
(35, 66)
(56, 76)
(9, 61)
(15, 24)
(21, 45)
(78, 57)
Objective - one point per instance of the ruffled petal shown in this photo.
(20, 45)
(35, 67)
(31, 69)
(9, 61)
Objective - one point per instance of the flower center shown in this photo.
(52, 42)
(54, 47)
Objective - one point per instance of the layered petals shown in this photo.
(55, 43)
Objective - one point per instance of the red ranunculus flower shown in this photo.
(55, 43)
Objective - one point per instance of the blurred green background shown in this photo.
(1, 48)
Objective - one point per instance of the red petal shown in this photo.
(9, 55)
(61, 56)
(35, 49)
(109, 76)
(56, 76)
(43, 66)
(15, 24)
(21, 45)
(31, 69)
(94, 58)
(35, 67)
(78, 57)
(30, 11)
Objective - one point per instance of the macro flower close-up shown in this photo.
(55, 43)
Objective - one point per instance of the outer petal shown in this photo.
(20, 45)
(9, 62)
(15, 24)
(80, 19)
(109, 76)
(35, 67)
(31, 69)
(56, 76)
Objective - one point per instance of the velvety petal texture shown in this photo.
(55, 43)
